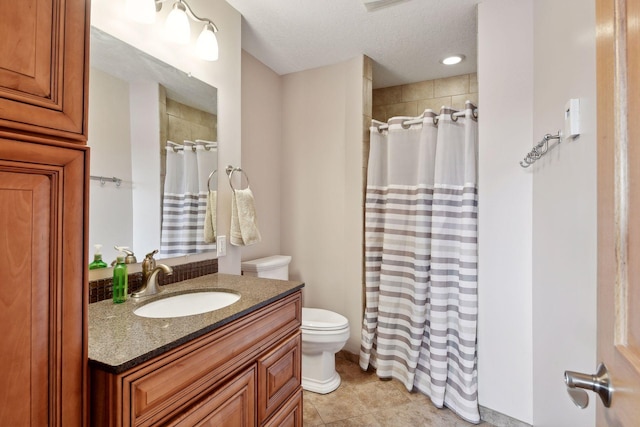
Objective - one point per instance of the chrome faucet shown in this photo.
(150, 271)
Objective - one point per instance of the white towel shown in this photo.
(210, 218)
(244, 229)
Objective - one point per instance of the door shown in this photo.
(618, 71)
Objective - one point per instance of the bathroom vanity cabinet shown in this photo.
(43, 68)
(245, 373)
(43, 175)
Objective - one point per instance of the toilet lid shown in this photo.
(322, 320)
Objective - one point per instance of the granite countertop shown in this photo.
(120, 340)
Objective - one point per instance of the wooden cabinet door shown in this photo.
(279, 375)
(42, 66)
(42, 296)
(233, 405)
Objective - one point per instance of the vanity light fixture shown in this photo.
(177, 24)
(452, 60)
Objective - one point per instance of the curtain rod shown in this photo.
(454, 117)
(208, 145)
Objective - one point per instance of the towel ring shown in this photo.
(209, 179)
(231, 175)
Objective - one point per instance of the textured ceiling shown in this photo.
(406, 39)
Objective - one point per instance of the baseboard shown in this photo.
(500, 420)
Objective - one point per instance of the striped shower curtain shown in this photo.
(421, 209)
(184, 202)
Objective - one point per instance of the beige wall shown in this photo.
(262, 151)
(321, 219)
(412, 99)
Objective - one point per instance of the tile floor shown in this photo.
(364, 400)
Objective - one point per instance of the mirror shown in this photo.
(137, 104)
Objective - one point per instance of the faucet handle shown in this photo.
(130, 258)
(149, 262)
(151, 254)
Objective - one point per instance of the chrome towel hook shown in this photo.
(539, 150)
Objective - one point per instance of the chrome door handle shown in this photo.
(600, 382)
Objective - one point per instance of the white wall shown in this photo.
(110, 142)
(262, 150)
(224, 74)
(538, 225)
(564, 211)
(505, 79)
(145, 131)
(322, 204)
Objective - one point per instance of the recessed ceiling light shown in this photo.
(452, 60)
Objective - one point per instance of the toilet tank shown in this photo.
(272, 267)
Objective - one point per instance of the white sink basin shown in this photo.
(187, 304)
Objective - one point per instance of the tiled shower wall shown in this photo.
(412, 99)
(179, 122)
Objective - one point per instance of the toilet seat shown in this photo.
(317, 319)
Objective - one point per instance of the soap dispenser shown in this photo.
(120, 280)
(97, 259)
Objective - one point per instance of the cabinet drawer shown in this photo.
(279, 376)
(173, 380)
(291, 413)
(230, 406)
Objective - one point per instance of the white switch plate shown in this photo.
(221, 245)
(572, 118)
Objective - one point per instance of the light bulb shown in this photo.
(452, 60)
(143, 11)
(177, 25)
(207, 44)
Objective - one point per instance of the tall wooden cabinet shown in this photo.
(43, 211)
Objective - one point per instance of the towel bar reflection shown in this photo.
(539, 150)
(209, 180)
(104, 179)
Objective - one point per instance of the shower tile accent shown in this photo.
(367, 116)
(457, 85)
(387, 95)
(412, 99)
(434, 104)
(417, 91)
(473, 83)
(404, 109)
(458, 101)
(102, 289)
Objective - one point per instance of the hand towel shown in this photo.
(210, 218)
(244, 229)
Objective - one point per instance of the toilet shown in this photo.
(324, 332)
